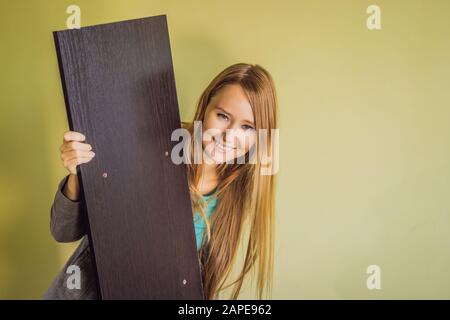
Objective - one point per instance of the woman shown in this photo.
(229, 188)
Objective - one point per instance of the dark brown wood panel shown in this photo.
(119, 89)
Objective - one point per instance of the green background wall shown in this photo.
(364, 137)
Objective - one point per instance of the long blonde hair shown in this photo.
(243, 194)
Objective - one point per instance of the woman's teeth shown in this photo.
(221, 147)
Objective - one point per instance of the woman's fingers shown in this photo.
(74, 151)
(76, 154)
(76, 161)
(73, 136)
(75, 145)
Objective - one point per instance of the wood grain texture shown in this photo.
(119, 89)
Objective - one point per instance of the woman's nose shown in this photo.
(232, 137)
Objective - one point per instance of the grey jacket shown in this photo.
(67, 225)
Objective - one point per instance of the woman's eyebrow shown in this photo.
(225, 111)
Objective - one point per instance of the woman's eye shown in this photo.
(221, 115)
(247, 127)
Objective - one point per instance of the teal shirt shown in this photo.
(199, 223)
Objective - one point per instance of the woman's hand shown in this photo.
(74, 152)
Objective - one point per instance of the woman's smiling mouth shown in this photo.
(221, 147)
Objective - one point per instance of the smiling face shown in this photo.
(228, 128)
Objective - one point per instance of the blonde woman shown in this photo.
(229, 187)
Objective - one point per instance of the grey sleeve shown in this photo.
(67, 223)
(88, 289)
